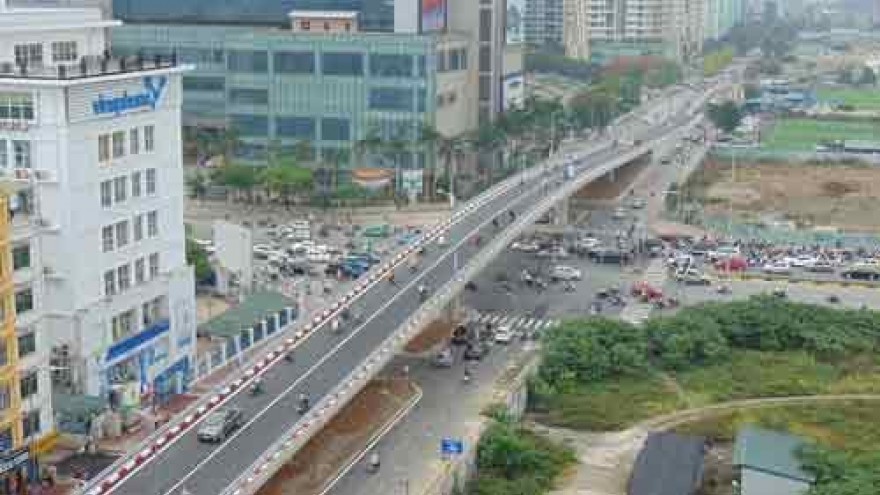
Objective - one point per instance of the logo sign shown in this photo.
(154, 87)
(451, 446)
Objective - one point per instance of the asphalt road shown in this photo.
(324, 359)
(850, 297)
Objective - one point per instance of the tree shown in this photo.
(689, 340)
(241, 178)
(725, 116)
(197, 184)
(286, 181)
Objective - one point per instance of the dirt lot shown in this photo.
(811, 195)
(433, 334)
(350, 431)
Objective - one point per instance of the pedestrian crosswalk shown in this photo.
(516, 323)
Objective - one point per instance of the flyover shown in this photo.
(331, 367)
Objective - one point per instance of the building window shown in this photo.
(120, 189)
(110, 283)
(27, 344)
(140, 271)
(247, 61)
(335, 129)
(154, 265)
(305, 25)
(214, 84)
(152, 311)
(106, 194)
(21, 154)
(342, 64)
(138, 228)
(24, 301)
(151, 181)
(21, 257)
(295, 127)
(16, 106)
(122, 234)
(123, 277)
(118, 144)
(392, 99)
(107, 243)
(104, 148)
(136, 185)
(123, 325)
(246, 96)
(134, 141)
(152, 224)
(250, 125)
(149, 138)
(29, 384)
(391, 65)
(30, 423)
(64, 51)
(30, 54)
(4, 154)
(294, 63)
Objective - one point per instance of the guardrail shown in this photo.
(280, 452)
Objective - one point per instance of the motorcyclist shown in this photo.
(423, 291)
(373, 462)
(302, 402)
(257, 386)
(512, 215)
(289, 356)
(334, 325)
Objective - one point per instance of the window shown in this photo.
(107, 242)
(122, 234)
(422, 100)
(134, 141)
(326, 26)
(16, 106)
(106, 194)
(104, 148)
(245, 96)
(247, 61)
(454, 60)
(30, 423)
(295, 127)
(120, 189)
(4, 154)
(123, 325)
(21, 154)
(391, 65)
(154, 265)
(138, 228)
(335, 129)
(305, 25)
(30, 54)
(24, 300)
(64, 51)
(140, 271)
(342, 64)
(151, 181)
(485, 25)
(250, 125)
(29, 384)
(149, 138)
(153, 224)
(215, 84)
(118, 144)
(110, 283)
(123, 277)
(136, 185)
(27, 344)
(294, 63)
(21, 257)
(152, 311)
(395, 99)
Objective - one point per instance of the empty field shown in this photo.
(860, 99)
(804, 134)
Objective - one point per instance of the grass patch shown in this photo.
(852, 425)
(861, 99)
(805, 134)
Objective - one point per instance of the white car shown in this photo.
(777, 268)
(263, 251)
(442, 241)
(567, 273)
(554, 252)
(619, 213)
(525, 247)
(800, 261)
(723, 252)
(504, 334)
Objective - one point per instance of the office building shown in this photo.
(720, 16)
(543, 22)
(92, 145)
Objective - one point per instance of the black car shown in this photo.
(475, 351)
(460, 335)
(220, 424)
(609, 256)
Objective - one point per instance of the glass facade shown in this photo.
(329, 90)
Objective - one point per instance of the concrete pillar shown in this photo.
(611, 176)
(560, 213)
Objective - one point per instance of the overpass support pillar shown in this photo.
(560, 213)
(611, 176)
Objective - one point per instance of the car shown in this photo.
(637, 203)
(444, 358)
(504, 334)
(619, 213)
(800, 261)
(460, 335)
(563, 272)
(693, 277)
(263, 251)
(219, 424)
(553, 252)
(525, 247)
(442, 241)
(609, 256)
(777, 268)
(475, 351)
(820, 266)
(722, 252)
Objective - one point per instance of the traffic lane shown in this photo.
(850, 297)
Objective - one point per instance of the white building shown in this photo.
(95, 146)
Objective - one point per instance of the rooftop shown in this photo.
(88, 68)
(16, 20)
(251, 311)
(323, 14)
(669, 464)
(770, 451)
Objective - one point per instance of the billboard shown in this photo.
(516, 13)
(514, 91)
(433, 15)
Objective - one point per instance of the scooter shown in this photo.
(257, 387)
(289, 357)
(302, 405)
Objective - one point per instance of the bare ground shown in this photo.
(349, 432)
(843, 196)
(437, 332)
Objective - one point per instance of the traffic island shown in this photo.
(337, 447)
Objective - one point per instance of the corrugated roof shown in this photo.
(770, 451)
(669, 464)
(252, 310)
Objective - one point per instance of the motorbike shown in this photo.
(257, 387)
(289, 357)
(302, 405)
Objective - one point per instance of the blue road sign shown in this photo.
(451, 446)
